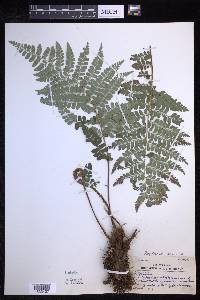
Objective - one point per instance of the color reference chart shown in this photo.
(134, 10)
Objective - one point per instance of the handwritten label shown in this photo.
(156, 253)
(73, 278)
(159, 274)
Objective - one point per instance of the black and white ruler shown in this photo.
(75, 11)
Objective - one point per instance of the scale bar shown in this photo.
(75, 11)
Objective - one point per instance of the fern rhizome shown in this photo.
(145, 128)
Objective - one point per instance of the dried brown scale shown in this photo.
(78, 173)
(116, 259)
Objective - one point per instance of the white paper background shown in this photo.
(49, 228)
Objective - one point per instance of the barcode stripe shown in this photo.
(42, 288)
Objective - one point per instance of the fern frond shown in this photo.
(85, 176)
(145, 127)
(70, 61)
(149, 135)
(59, 57)
(81, 65)
(78, 87)
(93, 70)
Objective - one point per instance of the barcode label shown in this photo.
(42, 288)
(110, 11)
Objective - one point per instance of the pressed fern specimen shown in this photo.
(145, 128)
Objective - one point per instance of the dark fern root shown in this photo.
(116, 259)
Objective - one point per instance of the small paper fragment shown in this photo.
(164, 275)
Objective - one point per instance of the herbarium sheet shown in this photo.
(99, 159)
